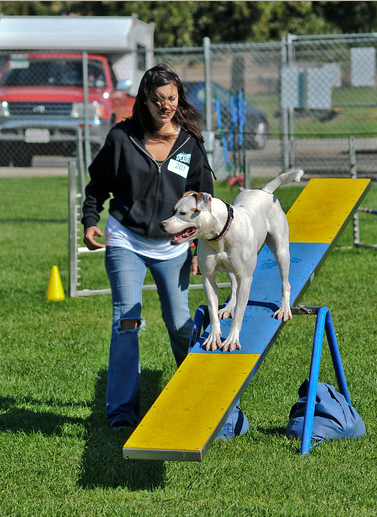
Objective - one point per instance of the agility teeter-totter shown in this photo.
(189, 413)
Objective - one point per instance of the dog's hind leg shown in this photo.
(280, 249)
(228, 310)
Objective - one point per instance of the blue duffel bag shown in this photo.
(334, 418)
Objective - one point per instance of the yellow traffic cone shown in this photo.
(55, 289)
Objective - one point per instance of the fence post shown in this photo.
(207, 74)
(86, 109)
(72, 215)
(80, 162)
(209, 119)
(353, 173)
(247, 171)
(284, 111)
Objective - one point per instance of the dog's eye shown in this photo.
(182, 212)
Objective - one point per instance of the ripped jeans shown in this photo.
(126, 271)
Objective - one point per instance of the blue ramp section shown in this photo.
(259, 327)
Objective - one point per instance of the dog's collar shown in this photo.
(227, 224)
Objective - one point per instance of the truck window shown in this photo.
(53, 72)
(96, 74)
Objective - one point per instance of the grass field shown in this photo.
(59, 458)
(355, 111)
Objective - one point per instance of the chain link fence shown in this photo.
(303, 98)
(328, 93)
(54, 103)
(266, 107)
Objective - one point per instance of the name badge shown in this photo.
(178, 168)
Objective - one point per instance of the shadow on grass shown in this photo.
(102, 460)
(103, 464)
(272, 431)
(28, 421)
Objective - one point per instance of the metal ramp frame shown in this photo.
(371, 211)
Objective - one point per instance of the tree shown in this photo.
(187, 23)
(349, 17)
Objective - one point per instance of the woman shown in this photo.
(147, 163)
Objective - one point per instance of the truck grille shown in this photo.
(35, 109)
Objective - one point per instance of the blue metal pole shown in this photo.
(336, 359)
(313, 379)
(197, 325)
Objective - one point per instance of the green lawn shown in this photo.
(349, 118)
(59, 458)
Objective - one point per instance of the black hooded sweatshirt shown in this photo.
(143, 190)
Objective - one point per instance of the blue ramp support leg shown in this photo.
(323, 323)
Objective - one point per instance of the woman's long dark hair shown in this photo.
(186, 115)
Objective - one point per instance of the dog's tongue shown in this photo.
(182, 236)
(177, 239)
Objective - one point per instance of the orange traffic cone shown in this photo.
(55, 289)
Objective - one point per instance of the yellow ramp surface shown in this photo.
(182, 422)
(323, 207)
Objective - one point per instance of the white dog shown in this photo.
(230, 237)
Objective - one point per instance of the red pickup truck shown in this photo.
(42, 104)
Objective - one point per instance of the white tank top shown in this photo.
(118, 235)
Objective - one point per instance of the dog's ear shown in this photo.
(186, 194)
(203, 201)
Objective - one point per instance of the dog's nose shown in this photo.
(162, 225)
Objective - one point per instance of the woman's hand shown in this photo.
(89, 241)
(194, 266)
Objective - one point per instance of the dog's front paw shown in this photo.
(283, 314)
(226, 312)
(213, 341)
(231, 343)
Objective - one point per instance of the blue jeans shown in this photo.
(126, 271)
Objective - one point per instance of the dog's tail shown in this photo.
(283, 179)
